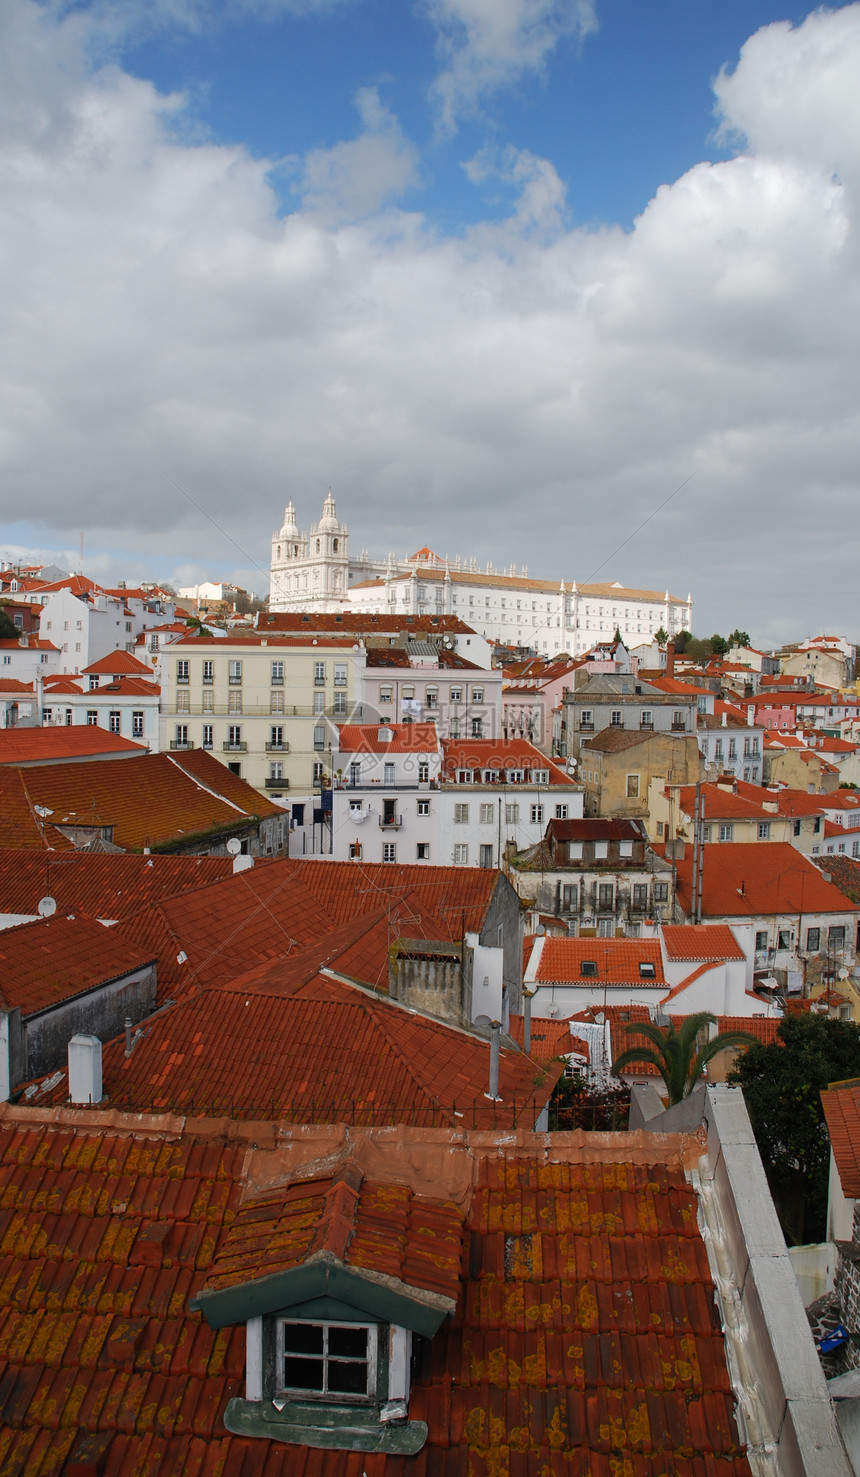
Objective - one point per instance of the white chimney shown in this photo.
(242, 862)
(85, 1069)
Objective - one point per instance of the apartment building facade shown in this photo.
(268, 707)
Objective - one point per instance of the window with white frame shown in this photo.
(477, 694)
(208, 671)
(764, 830)
(183, 702)
(461, 815)
(339, 709)
(477, 727)
(181, 672)
(137, 725)
(422, 807)
(385, 692)
(512, 815)
(561, 812)
(431, 697)
(181, 732)
(516, 776)
(487, 814)
(319, 674)
(632, 786)
(115, 720)
(422, 851)
(92, 717)
(456, 694)
(388, 773)
(461, 855)
(207, 736)
(423, 771)
(234, 702)
(234, 673)
(464, 776)
(355, 851)
(319, 702)
(319, 737)
(727, 831)
(340, 674)
(536, 815)
(334, 1361)
(389, 851)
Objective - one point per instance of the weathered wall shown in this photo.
(100, 1012)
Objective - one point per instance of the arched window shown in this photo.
(318, 545)
(279, 551)
(334, 544)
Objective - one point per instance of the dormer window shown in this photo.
(540, 776)
(321, 1361)
(464, 776)
(515, 776)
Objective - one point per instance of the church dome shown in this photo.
(328, 522)
(289, 530)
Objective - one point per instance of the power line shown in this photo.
(662, 505)
(229, 536)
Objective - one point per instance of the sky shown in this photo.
(566, 283)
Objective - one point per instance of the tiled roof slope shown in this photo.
(756, 878)
(20, 824)
(49, 745)
(406, 738)
(376, 1227)
(117, 664)
(459, 896)
(843, 871)
(550, 1039)
(105, 887)
(57, 958)
(499, 754)
(617, 961)
(274, 1045)
(151, 800)
(584, 1340)
(701, 941)
(841, 1103)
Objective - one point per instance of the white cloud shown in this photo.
(523, 390)
(489, 44)
(354, 178)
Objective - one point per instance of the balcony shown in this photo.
(681, 728)
(277, 748)
(390, 822)
(273, 784)
(237, 748)
(646, 725)
(181, 743)
(586, 727)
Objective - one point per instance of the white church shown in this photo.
(314, 572)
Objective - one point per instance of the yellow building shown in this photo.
(617, 767)
(266, 706)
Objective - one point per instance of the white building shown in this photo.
(423, 682)
(87, 623)
(403, 795)
(313, 571)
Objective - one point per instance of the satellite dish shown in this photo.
(483, 1022)
(234, 846)
(47, 907)
(844, 973)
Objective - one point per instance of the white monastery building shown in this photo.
(314, 571)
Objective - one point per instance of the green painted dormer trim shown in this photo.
(355, 1290)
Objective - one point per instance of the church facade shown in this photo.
(314, 572)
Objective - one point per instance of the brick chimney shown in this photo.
(670, 658)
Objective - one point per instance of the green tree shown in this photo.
(8, 630)
(719, 644)
(617, 637)
(678, 1055)
(195, 625)
(739, 638)
(682, 640)
(782, 1086)
(661, 637)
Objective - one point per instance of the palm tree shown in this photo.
(676, 1054)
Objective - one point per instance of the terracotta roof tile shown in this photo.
(406, 738)
(701, 941)
(154, 799)
(57, 958)
(617, 961)
(500, 754)
(754, 879)
(583, 1341)
(43, 746)
(107, 887)
(549, 1039)
(118, 663)
(841, 1104)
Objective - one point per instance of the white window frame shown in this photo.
(328, 1397)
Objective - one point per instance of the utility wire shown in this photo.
(665, 502)
(243, 552)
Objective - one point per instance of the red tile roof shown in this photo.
(584, 1338)
(156, 800)
(498, 754)
(701, 941)
(118, 664)
(722, 803)
(105, 887)
(382, 1228)
(617, 961)
(406, 738)
(57, 958)
(63, 743)
(758, 878)
(20, 823)
(841, 1104)
(550, 1039)
(271, 1045)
